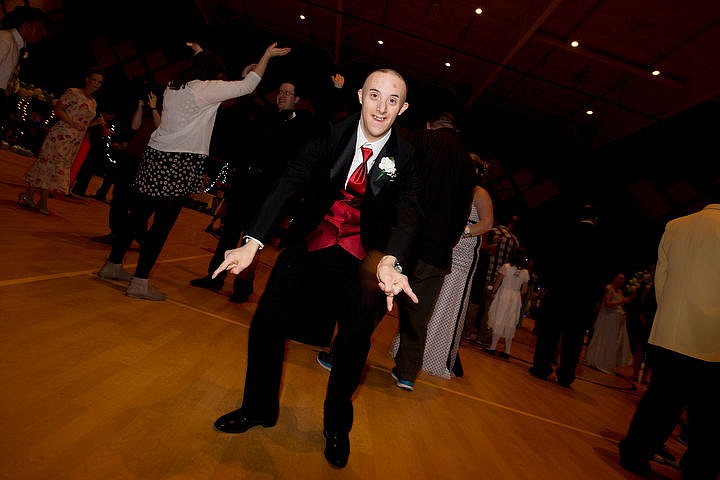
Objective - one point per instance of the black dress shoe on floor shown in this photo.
(238, 422)
(238, 298)
(208, 282)
(337, 448)
(242, 289)
(638, 467)
(536, 374)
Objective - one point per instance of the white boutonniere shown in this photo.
(387, 167)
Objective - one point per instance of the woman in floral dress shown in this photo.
(76, 111)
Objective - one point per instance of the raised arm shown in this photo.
(272, 51)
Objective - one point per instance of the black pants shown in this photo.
(123, 196)
(558, 318)
(165, 212)
(426, 281)
(678, 382)
(308, 291)
(243, 201)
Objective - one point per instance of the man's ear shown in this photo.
(360, 96)
(404, 107)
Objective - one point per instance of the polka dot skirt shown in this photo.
(169, 174)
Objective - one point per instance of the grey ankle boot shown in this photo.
(114, 271)
(140, 288)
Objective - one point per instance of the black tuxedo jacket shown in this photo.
(389, 213)
(449, 178)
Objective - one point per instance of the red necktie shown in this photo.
(358, 179)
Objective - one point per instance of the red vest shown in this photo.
(340, 227)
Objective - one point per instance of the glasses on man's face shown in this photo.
(286, 93)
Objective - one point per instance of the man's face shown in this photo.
(33, 32)
(286, 98)
(382, 99)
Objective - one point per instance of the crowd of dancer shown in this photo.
(370, 206)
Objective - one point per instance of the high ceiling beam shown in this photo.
(521, 41)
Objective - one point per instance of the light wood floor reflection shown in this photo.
(96, 385)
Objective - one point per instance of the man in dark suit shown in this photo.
(269, 138)
(360, 189)
(449, 178)
(568, 307)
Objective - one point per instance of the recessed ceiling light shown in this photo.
(447, 64)
(478, 11)
(589, 112)
(302, 17)
(380, 42)
(656, 73)
(574, 43)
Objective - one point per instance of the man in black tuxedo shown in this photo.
(267, 141)
(360, 193)
(567, 309)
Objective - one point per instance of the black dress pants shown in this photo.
(305, 294)
(558, 318)
(426, 281)
(243, 201)
(678, 382)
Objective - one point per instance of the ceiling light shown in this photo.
(589, 112)
(302, 17)
(380, 42)
(447, 64)
(574, 43)
(478, 11)
(655, 73)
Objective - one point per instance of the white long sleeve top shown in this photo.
(188, 114)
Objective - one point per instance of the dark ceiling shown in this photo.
(517, 54)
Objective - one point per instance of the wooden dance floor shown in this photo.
(96, 385)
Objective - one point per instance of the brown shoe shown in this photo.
(114, 271)
(140, 288)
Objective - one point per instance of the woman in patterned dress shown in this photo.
(76, 111)
(173, 162)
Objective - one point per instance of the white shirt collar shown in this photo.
(376, 146)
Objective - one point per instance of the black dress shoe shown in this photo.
(337, 448)
(238, 298)
(638, 467)
(208, 282)
(534, 372)
(242, 289)
(238, 422)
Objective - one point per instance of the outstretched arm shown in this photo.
(272, 51)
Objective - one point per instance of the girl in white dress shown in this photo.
(510, 286)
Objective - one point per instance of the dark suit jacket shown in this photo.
(389, 212)
(449, 178)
